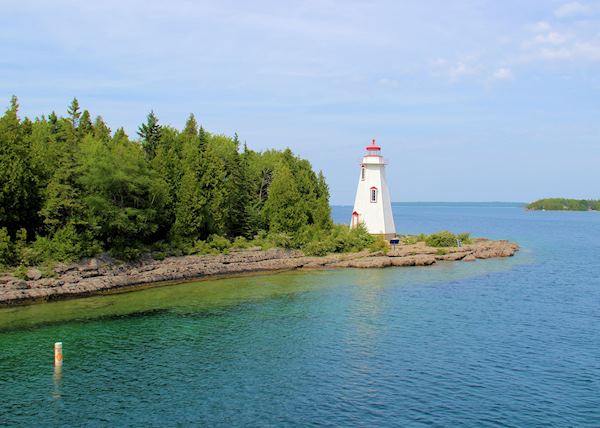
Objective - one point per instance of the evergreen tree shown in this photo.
(190, 211)
(213, 187)
(321, 208)
(45, 154)
(101, 130)
(120, 137)
(76, 189)
(74, 113)
(149, 132)
(191, 126)
(85, 125)
(168, 164)
(63, 204)
(237, 188)
(53, 121)
(284, 208)
(251, 188)
(203, 138)
(124, 199)
(18, 196)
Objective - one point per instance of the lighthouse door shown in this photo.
(354, 219)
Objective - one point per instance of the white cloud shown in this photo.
(588, 50)
(552, 38)
(392, 83)
(540, 27)
(555, 54)
(461, 69)
(579, 50)
(502, 74)
(573, 8)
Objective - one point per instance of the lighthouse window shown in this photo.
(373, 195)
(362, 173)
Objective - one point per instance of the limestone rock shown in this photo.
(103, 273)
(33, 274)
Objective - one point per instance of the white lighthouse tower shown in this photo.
(373, 205)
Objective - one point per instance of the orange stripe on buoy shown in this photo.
(58, 357)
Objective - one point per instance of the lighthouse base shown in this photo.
(386, 236)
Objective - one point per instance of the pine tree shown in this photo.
(284, 208)
(149, 132)
(322, 209)
(120, 136)
(101, 130)
(74, 113)
(85, 125)
(191, 127)
(190, 210)
(18, 195)
(45, 153)
(203, 138)
(80, 188)
(53, 121)
(251, 186)
(213, 186)
(237, 194)
(124, 199)
(63, 204)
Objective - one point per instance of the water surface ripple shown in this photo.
(499, 343)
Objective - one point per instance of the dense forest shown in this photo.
(72, 188)
(562, 204)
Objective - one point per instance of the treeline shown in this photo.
(562, 204)
(70, 188)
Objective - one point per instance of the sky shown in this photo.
(470, 100)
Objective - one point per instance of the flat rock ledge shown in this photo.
(102, 274)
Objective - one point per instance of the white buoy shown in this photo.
(58, 356)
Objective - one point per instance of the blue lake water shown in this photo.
(509, 342)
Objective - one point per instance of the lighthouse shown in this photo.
(373, 206)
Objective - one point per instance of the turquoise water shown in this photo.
(510, 342)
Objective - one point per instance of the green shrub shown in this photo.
(413, 239)
(126, 253)
(306, 235)
(21, 272)
(260, 240)
(379, 244)
(6, 251)
(218, 243)
(440, 252)
(201, 247)
(319, 248)
(464, 238)
(281, 239)
(241, 243)
(441, 239)
(359, 239)
(66, 245)
(20, 244)
(40, 249)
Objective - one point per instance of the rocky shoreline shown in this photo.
(101, 275)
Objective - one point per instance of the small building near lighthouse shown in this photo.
(372, 205)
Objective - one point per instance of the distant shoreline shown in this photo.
(564, 204)
(103, 275)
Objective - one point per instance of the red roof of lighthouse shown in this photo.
(373, 146)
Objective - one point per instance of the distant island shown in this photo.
(563, 204)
